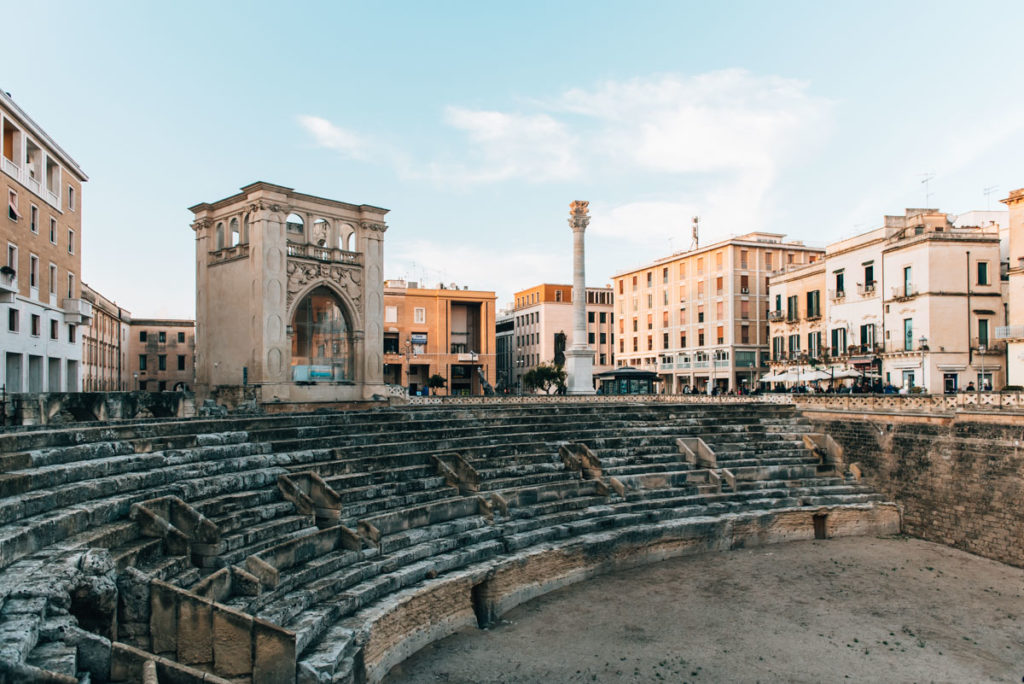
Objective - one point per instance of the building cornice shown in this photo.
(42, 135)
(259, 186)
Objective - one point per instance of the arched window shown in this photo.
(245, 228)
(234, 232)
(321, 339)
(295, 224)
(350, 242)
(220, 236)
(321, 230)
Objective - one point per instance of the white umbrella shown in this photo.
(846, 373)
(813, 375)
(770, 377)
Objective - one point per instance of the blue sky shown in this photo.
(478, 123)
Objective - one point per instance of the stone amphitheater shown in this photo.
(329, 547)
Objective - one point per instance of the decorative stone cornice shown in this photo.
(374, 226)
(201, 224)
(579, 215)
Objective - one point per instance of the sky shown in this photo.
(477, 124)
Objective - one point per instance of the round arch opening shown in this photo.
(322, 349)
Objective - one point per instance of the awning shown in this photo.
(12, 203)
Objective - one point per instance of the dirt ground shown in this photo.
(856, 609)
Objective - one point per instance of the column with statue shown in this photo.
(579, 357)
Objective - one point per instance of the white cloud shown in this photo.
(328, 135)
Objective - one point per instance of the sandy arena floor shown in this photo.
(861, 609)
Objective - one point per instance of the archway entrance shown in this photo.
(321, 339)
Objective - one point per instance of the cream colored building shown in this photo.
(162, 354)
(443, 331)
(41, 263)
(289, 295)
(105, 346)
(1013, 332)
(542, 327)
(796, 317)
(700, 318)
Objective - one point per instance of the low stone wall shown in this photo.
(958, 475)
(1005, 401)
(56, 408)
(421, 615)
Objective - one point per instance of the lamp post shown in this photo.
(923, 341)
(520, 362)
(981, 380)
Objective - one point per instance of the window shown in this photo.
(664, 340)
(53, 230)
(650, 343)
(33, 219)
(162, 337)
(664, 275)
(744, 334)
(768, 260)
(794, 345)
(603, 316)
(718, 285)
(838, 341)
(983, 273)
(814, 304)
(54, 329)
(419, 315)
(719, 311)
(908, 334)
(622, 285)
(72, 330)
(71, 285)
(700, 338)
(634, 324)
(558, 295)
(867, 337)
(37, 326)
(650, 321)
(12, 256)
(650, 279)
(142, 336)
(982, 332)
(682, 339)
(743, 258)
(71, 198)
(792, 312)
(664, 319)
(161, 362)
(745, 310)
(840, 287)
(33, 271)
(700, 313)
(634, 285)
(181, 338)
(53, 280)
(71, 241)
(12, 205)
(590, 316)
(12, 319)
(814, 344)
(869, 277)
(142, 362)
(650, 300)
(744, 284)
(604, 338)
(720, 334)
(778, 348)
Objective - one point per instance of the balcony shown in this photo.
(239, 251)
(468, 357)
(837, 295)
(1010, 332)
(867, 289)
(988, 346)
(33, 185)
(52, 197)
(11, 169)
(8, 285)
(901, 292)
(775, 316)
(77, 311)
(327, 254)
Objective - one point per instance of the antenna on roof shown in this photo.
(988, 196)
(696, 233)
(927, 178)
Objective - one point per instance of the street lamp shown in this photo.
(520, 362)
(981, 380)
(923, 341)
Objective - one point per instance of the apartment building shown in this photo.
(795, 316)
(443, 331)
(1013, 332)
(40, 268)
(505, 349)
(915, 303)
(700, 318)
(543, 326)
(162, 354)
(105, 345)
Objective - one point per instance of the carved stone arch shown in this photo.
(234, 231)
(219, 244)
(347, 236)
(352, 311)
(321, 232)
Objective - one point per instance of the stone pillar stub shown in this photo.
(579, 358)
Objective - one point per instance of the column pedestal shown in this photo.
(579, 367)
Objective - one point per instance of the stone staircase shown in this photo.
(341, 542)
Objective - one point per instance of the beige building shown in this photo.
(700, 318)
(161, 354)
(1013, 332)
(442, 331)
(105, 346)
(289, 295)
(796, 317)
(915, 302)
(41, 264)
(542, 327)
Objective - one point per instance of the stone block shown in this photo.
(232, 642)
(268, 575)
(274, 658)
(195, 630)
(163, 621)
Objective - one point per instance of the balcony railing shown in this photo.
(11, 168)
(904, 292)
(866, 289)
(53, 197)
(775, 316)
(77, 310)
(8, 286)
(1010, 332)
(836, 294)
(328, 254)
(33, 185)
(988, 346)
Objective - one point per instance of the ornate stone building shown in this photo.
(289, 295)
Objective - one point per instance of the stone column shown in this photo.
(579, 358)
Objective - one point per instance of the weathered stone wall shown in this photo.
(959, 477)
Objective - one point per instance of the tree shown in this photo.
(436, 381)
(545, 377)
